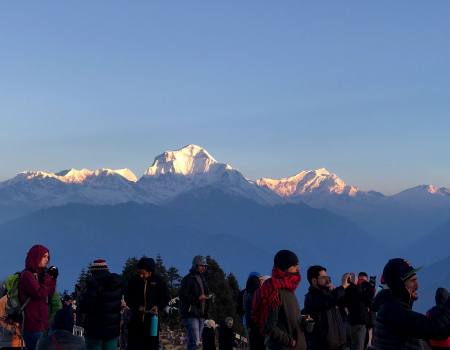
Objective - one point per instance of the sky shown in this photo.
(360, 88)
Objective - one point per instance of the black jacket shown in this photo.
(61, 340)
(319, 304)
(358, 300)
(398, 327)
(157, 294)
(285, 324)
(226, 338)
(209, 338)
(100, 305)
(190, 291)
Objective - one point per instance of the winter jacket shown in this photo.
(398, 327)
(226, 338)
(61, 340)
(284, 324)
(358, 300)
(323, 305)
(157, 294)
(441, 299)
(209, 338)
(35, 288)
(192, 286)
(100, 305)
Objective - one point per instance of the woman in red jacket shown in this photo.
(36, 285)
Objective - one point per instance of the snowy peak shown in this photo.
(308, 181)
(425, 190)
(75, 176)
(189, 160)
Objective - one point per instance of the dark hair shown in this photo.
(363, 274)
(147, 264)
(314, 272)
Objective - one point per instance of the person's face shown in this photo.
(44, 261)
(201, 268)
(230, 323)
(294, 269)
(363, 278)
(412, 285)
(261, 280)
(144, 274)
(322, 280)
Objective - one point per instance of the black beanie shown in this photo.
(147, 264)
(284, 259)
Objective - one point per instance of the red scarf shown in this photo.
(267, 297)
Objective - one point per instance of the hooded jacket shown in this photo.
(398, 327)
(35, 288)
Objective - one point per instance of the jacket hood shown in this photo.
(382, 296)
(441, 296)
(34, 257)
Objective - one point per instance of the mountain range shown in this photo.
(187, 202)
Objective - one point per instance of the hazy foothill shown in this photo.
(187, 202)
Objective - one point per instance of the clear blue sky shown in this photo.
(361, 88)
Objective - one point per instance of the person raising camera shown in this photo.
(36, 285)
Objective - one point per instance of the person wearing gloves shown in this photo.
(397, 326)
(275, 307)
(36, 285)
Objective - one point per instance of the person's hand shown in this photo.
(293, 343)
(53, 271)
(141, 309)
(203, 297)
(154, 310)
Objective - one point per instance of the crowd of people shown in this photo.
(355, 315)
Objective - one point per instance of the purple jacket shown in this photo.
(36, 286)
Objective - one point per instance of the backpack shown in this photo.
(336, 335)
(14, 307)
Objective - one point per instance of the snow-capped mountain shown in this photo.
(307, 182)
(424, 197)
(176, 172)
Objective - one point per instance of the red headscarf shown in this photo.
(268, 297)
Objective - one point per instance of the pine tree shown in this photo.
(234, 285)
(223, 304)
(129, 269)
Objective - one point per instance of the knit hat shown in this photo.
(441, 296)
(284, 259)
(98, 265)
(397, 269)
(199, 260)
(254, 274)
(147, 264)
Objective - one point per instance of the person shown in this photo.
(323, 303)
(147, 295)
(61, 337)
(255, 337)
(36, 285)
(441, 298)
(194, 301)
(209, 335)
(397, 326)
(227, 335)
(11, 326)
(275, 307)
(358, 300)
(100, 306)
